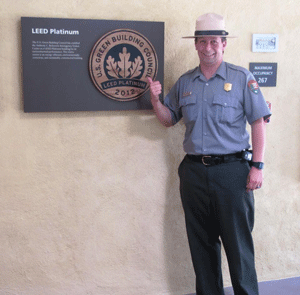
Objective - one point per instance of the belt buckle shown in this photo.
(203, 160)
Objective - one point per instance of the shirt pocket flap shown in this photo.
(225, 101)
(184, 101)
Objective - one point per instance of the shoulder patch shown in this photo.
(253, 85)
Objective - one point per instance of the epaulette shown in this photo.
(189, 72)
(238, 68)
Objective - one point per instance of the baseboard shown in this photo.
(287, 286)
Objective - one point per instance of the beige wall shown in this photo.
(89, 201)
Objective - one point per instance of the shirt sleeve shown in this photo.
(254, 101)
(171, 101)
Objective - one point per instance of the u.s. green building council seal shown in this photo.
(120, 63)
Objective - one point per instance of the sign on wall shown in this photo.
(89, 65)
(265, 42)
(264, 73)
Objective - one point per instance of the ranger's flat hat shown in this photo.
(210, 24)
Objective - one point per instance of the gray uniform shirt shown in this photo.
(215, 112)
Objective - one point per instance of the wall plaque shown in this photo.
(120, 63)
(89, 65)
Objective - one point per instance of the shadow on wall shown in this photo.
(177, 255)
(179, 270)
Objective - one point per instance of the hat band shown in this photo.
(211, 33)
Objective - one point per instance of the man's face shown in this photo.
(210, 50)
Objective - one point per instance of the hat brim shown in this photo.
(192, 37)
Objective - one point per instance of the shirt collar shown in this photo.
(197, 73)
(221, 71)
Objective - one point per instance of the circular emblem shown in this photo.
(120, 63)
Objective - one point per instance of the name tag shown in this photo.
(185, 94)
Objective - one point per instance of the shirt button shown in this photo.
(206, 84)
(225, 104)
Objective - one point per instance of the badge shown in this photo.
(253, 85)
(227, 86)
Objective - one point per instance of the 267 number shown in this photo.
(262, 80)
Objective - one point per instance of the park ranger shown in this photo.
(218, 174)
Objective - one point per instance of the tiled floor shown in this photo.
(289, 286)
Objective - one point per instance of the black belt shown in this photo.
(211, 160)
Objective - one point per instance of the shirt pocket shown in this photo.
(188, 108)
(225, 108)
